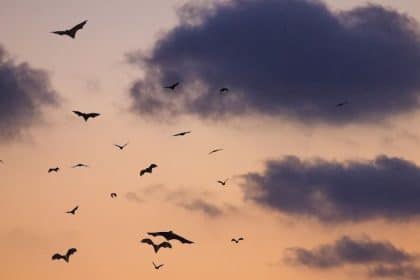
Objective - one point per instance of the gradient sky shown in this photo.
(91, 73)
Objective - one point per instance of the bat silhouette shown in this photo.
(182, 133)
(113, 195)
(73, 211)
(156, 247)
(86, 116)
(148, 169)
(342, 104)
(65, 257)
(172, 87)
(54, 169)
(79, 165)
(215, 151)
(72, 31)
(121, 147)
(223, 183)
(157, 266)
(237, 240)
(170, 235)
(223, 90)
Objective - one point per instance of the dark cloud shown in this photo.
(202, 206)
(23, 92)
(396, 272)
(336, 192)
(283, 58)
(349, 251)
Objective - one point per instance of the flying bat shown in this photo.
(182, 133)
(237, 240)
(170, 235)
(156, 247)
(72, 31)
(223, 183)
(157, 266)
(121, 147)
(148, 169)
(113, 195)
(86, 116)
(65, 257)
(73, 211)
(215, 151)
(341, 104)
(54, 169)
(172, 87)
(223, 90)
(79, 165)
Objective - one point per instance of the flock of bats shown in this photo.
(167, 235)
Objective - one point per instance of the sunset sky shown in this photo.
(319, 192)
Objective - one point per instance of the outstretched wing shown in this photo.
(78, 113)
(93, 115)
(57, 257)
(179, 238)
(147, 241)
(71, 251)
(78, 26)
(64, 32)
(143, 171)
(165, 244)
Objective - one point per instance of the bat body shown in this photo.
(182, 133)
(73, 211)
(65, 257)
(86, 116)
(237, 240)
(121, 147)
(113, 195)
(72, 31)
(173, 86)
(54, 169)
(157, 266)
(170, 235)
(79, 165)
(223, 183)
(223, 90)
(156, 247)
(341, 104)
(148, 169)
(215, 151)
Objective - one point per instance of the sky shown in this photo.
(317, 192)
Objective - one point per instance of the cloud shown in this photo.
(396, 272)
(294, 59)
(24, 91)
(132, 196)
(349, 251)
(335, 192)
(381, 258)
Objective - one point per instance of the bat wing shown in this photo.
(57, 257)
(142, 172)
(153, 166)
(93, 115)
(60, 32)
(165, 244)
(147, 241)
(181, 239)
(78, 113)
(79, 26)
(71, 251)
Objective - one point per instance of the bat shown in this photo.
(73, 211)
(182, 133)
(341, 104)
(215, 151)
(157, 266)
(79, 165)
(223, 183)
(223, 90)
(170, 235)
(172, 87)
(113, 195)
(237, 240)
(72, 31)
(156, 247)
(148, 169)
(86, 116)
(65, 257)
(121, 147)
(55, 169)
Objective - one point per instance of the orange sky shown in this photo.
(91, 75)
